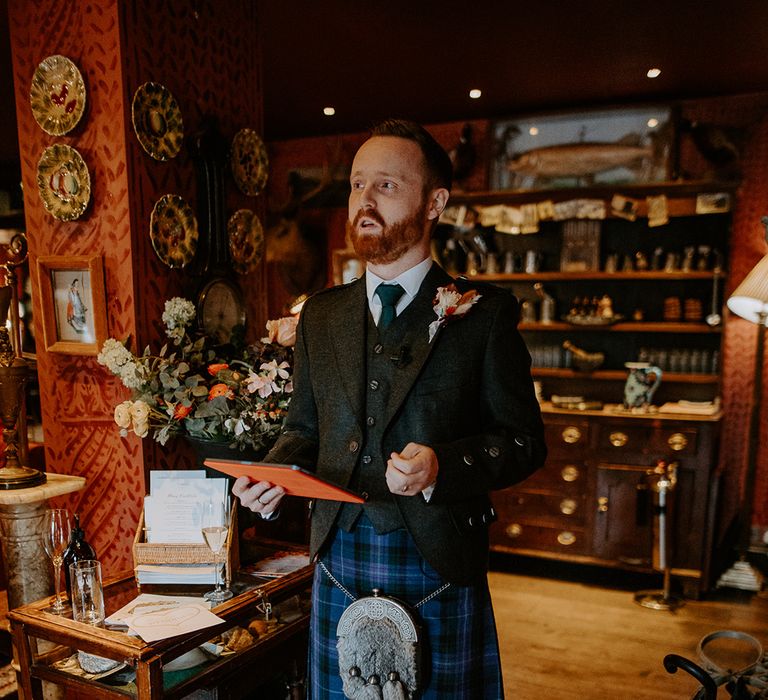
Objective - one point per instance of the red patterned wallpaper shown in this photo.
(77, 398)
(206, 56)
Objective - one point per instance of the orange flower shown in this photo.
(181, 411)
(220, 390)
(213, 370)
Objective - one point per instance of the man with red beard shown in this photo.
(415, 390)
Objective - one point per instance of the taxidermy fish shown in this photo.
(583, 159)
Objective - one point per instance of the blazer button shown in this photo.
(370, 420)
(469, 460)
(366, 459)
(353, 446)
(378, 348)
(374, 384)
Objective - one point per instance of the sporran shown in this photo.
(378, 646)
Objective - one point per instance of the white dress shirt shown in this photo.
(410, 281)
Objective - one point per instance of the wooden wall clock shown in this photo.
(220, 309)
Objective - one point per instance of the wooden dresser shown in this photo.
(594, 500)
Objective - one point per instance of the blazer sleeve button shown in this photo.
(469, 460)
(494, 451)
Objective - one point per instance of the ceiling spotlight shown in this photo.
(475, 93)
(653, 123)
(533, 131)
(653, 72)
(329, 111)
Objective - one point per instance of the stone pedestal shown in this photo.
(27, 567)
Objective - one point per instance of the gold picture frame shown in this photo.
(72, 303)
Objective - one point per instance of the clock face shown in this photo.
(220, 309)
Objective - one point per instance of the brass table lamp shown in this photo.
(14, 371)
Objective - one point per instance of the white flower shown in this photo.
(114, 355)
(178, 314)
(282, 331)
(119, 360)
(139, 411)
(449, 304)
(123, 414)
(141, 428)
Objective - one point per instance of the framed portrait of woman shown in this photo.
(72, 301)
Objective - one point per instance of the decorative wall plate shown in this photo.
(57, 95)
(173, 230)
(250, 165)
(157, 121)
(246, 240)
(63, 181)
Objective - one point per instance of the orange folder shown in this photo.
(295, 480)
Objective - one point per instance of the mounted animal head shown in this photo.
(296, 234)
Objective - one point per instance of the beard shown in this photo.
(393, 240)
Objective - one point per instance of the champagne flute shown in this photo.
(57, 528)
(215, 525)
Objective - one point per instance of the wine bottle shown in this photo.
(77, 550)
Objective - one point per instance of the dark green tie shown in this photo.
(389, 295)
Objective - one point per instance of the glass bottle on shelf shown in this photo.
(77, 550)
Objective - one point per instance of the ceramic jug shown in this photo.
(643, 380)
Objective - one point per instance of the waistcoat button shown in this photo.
(374, 384)
(367, 459)
(378, 348)
(370, 420)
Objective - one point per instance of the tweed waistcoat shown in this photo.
(381, 371)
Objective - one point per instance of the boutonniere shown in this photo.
(450, 303)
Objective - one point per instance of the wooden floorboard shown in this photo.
(576, 640)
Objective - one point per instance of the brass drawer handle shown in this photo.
(571, 434)
(566, 538)
(602, 504)
(568, 506)
(514, 530)
(677, 441)
(618, 439)
(570, 472)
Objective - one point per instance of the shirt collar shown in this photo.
(410, 281)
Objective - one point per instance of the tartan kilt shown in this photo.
(459, 647)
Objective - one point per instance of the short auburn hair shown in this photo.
(438, 164)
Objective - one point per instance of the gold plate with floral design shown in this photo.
(63, 181)
(173, 230)
(249, 162)
(157, 121)
(246, 240)
(57, 95)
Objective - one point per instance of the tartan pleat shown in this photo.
(460, 655)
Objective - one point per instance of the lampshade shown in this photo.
(750, 298)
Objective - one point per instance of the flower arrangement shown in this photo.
(239, 397)
(450, 303)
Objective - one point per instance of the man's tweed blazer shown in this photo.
(467, 394)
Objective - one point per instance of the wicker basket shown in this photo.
(172, 553)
